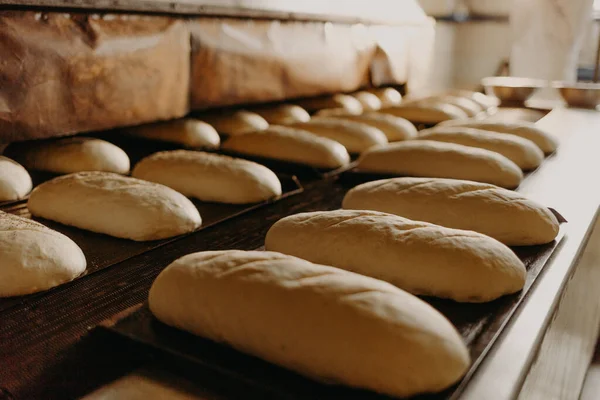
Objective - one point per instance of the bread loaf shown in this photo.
(369, 101)
(35, 258)
(355, 136)
(429, 114)
(328, 324)
(186, 131)
(347, 102)
(115, 205)
(283, 114)
(75, 154)
(210, 177)
(427, 158)
(395, 128)
(522, 152)
(485, 101)
(15, 182)
(293, 145)
(419, 257)
(469, 107)
(236, 123)
(389, 96)
(526, 130)
(502, 214)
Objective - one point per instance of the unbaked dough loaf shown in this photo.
(369, 101)
(293, 145)
(210, 177)
(237, 123)
(502, 214)
(186, 131)
(322, 322)
(347, 102)
(395, 128)
(15, 182)
(283, 114)
(526, 130)
(431, 159)
(355, 136)
(389, 96)
(419, 257)
(34, 257)
(67, 155)
(116, 205)
(470, 107)
(429, 114)
(522, 152)
(485, 101)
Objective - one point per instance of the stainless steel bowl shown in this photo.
(511, 90)
(579, 94)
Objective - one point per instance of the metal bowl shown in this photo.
(579, 94)
(511, 90)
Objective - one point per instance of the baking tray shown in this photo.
(479, 324)
(103, 251)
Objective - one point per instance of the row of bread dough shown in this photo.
(304, 313)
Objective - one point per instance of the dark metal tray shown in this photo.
(479, 324)
(102, 251)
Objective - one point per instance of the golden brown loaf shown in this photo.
(290, 144)
(115, 205)
(427, 158)
(522, 152)
(210, 177)
(502, 214)
(322, 322)
(418, 257)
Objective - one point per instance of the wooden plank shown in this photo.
(565, 182)
(568, 345)
(353, 11)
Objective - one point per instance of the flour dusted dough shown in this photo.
(210, 177)
(283, 114)
(186, 131)
(428, 158)
(389, 96)
(419, 257)
(522, 152)
(15, 182)
(74, 154)
(502, 214)
(369, 101)
(237, 123)
(34, 257)
(347, 102)
(322, 322)
(290, 144)
(426, 113)
(395, 128)
(355, 136)
(116, 205)
(526, 130)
